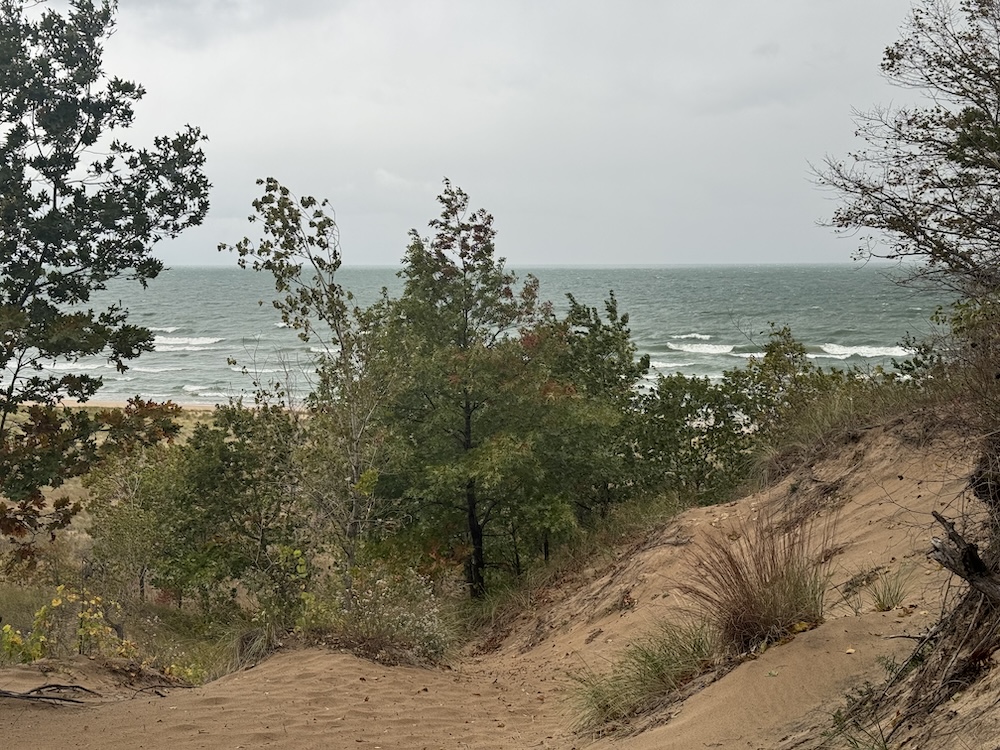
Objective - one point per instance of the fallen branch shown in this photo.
(962, 558)
(49, 694)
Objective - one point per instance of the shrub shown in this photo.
(393, 617)
(648, 672)
(766, 585)
(71, 622)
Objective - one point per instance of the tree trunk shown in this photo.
(476, 564)
(962, 558)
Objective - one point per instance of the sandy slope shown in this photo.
(881, 486)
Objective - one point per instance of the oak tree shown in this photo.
(79, 207)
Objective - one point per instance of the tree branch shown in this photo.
(962, 558)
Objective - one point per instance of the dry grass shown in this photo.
(762, 587)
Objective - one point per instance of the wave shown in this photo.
(868, 352)
(186, 348)
(165, 329)
(657, 365)
(258, 370)
(185, 341)
(76, 366)
(157, 369)
(702, 336)
(701, 348)
(747, 355)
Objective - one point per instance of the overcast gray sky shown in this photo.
(595, 132)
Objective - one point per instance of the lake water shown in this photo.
(698, 320)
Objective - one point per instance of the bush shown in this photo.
(766, 585)
(648, 672)
(393, 617)
(71, 622)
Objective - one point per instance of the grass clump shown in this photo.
(888, 590)
(648, 672)
(767, 584)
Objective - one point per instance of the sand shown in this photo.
(881, 488)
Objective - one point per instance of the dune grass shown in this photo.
(645, 676)
(767, 584)
(888, 589)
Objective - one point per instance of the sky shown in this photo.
(637, 132)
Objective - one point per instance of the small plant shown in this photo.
(393, 616)
(856, 725)
(647, 674)
(852, 589)
(888, 590)
(764, 586)
(71, 622)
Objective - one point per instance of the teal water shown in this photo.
(698, 320)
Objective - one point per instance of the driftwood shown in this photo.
(49, 694)
(962, 558)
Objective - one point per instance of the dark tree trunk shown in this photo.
(476, 564)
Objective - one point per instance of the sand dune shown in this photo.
(511, 690)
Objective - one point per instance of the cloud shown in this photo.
(661, 130)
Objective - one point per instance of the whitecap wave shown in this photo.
(843, 352)
(701, 336)
(163, 329)
(155, 370)
(76, 366)
(185, 340)
(657, 365)
(701, 348)
(825, 355)
(747, 355)
(257, 370)
(171, 348)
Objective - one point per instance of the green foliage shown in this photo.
(223, 507)
(72, 622)
(395, 617)
(696, 442)
(698, 438)
(338, 454)
(471, 389)
(67, 226)
(512, 425)
(647, 675)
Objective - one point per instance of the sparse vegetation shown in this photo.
(647, 675)
(766, 585)
(888, 589)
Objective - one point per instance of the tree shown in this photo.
(78, 207)
(926, 179)
(928, 182)
(597, 358)
(339, 453)
(462, 406)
